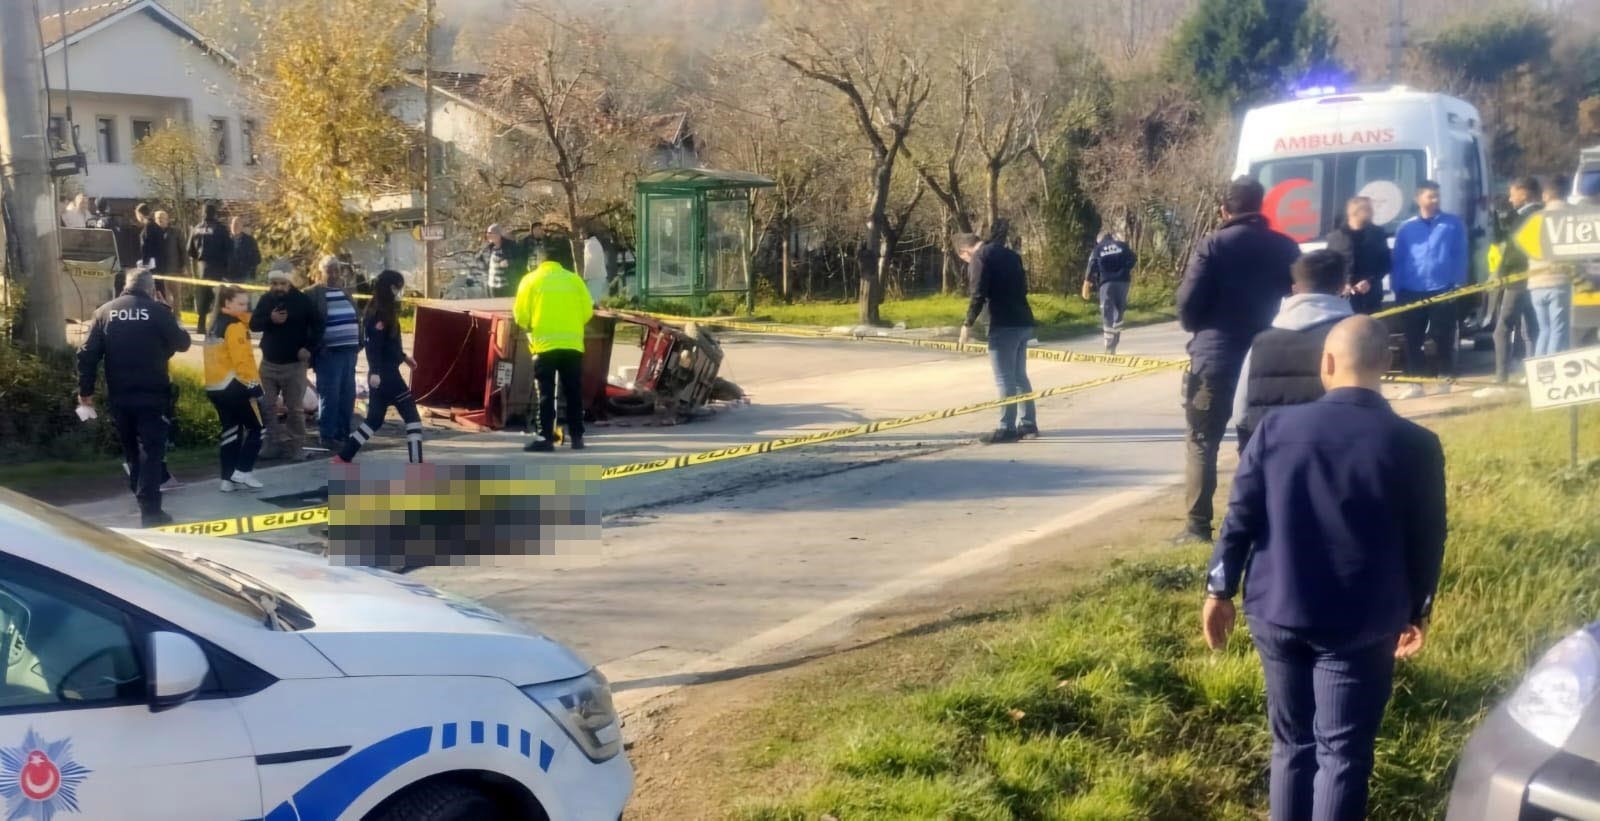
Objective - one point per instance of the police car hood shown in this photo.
(375, 623)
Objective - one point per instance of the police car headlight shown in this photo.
(1551, 700)
(582, 706)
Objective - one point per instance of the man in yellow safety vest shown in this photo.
(553, 306)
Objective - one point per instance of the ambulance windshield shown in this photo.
(1306, 195)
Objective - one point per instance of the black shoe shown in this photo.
(577, 443)
(998, 436)
(1027, 430)
(539, 446)
(1191, 536)
(156, 519)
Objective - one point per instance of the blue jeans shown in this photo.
(1552, 309)
(1008, 356)
(336, 391)
(1325, 700)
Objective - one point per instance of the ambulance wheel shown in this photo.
(438, 801)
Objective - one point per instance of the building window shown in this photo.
(106, 137)
(219, 140)
(247, 136)
(58, 135)
(141, 129)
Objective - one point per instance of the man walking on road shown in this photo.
(1338, 512)
(1430, 259)
(1235, 282)
(136, 334)
(553, 306)
(1284, 364)
(291, 328)
(212, 252)
(1111, 270)
(999, 281)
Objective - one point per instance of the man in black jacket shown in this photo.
(245, 259)
(1337, 527)
(1230, 293)
(1513, 307)
(291, 328)
(211, 250)
(1111, 270)
(135, 335)
(1284, 366)
(999, 281)
(1365, 248)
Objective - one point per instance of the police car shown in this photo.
(160, 676)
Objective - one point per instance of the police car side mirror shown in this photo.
(178, 669)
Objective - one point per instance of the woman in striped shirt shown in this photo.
(335, 361)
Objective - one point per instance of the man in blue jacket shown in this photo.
(1430, 259)
(1230, 293)
(1338, 512)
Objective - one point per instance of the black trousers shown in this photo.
(1369, 302)
(1207, 404)
(1513, 315)
(566, 366)
(1325, 700)
(390, 392)
(241, 428)
(1438, 322)
(143, 433)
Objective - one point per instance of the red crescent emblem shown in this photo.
(39, 778)
(1292, 209)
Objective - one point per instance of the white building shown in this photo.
(134, 67)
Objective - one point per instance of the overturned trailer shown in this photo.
(474, 367)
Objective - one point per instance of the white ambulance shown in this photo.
(1314, 153)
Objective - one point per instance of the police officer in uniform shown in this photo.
(135, 335)
(1111, 270)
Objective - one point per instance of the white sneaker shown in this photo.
(1442, 389)
(249, 480)
(1410, 391)
(226, 486)
(1490, 392)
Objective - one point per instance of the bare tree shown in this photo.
(860, 53)
(552, 77)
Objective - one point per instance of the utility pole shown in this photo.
(25, 182)
(1397, 41)
(427, 147)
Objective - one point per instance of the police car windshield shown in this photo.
(28, 514)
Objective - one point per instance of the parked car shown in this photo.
(1536, 757)
(159, 676)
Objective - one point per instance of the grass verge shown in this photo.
(1057, 315)
(1103, 703)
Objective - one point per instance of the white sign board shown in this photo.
(432, 233)
(1571, 378)
(1570, 232)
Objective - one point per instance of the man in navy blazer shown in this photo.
(1337, 526)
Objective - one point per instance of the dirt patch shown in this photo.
(684, 743)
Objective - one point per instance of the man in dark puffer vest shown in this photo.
(1283, 365)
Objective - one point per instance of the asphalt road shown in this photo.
(705, 571)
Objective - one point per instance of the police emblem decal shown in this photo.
(40, 778)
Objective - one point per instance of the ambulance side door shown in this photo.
(78, 737)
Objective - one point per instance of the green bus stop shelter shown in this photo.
(695, 233)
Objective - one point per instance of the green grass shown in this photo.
(1104, 703)
(1057, 316)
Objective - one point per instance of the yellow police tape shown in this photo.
(215, 283)
(242, 525)
(1492, 285)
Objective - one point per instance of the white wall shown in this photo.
(136, 67)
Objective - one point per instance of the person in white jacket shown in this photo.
(594, 267)
(1284, 362)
